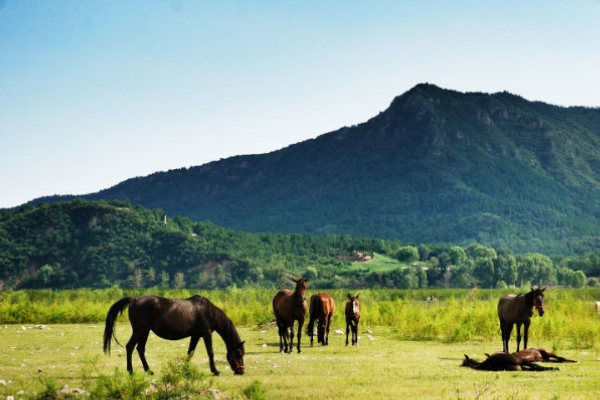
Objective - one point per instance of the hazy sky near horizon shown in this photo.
(96, 92)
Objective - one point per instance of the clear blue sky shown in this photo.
(95, 92)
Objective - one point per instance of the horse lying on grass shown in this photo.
(539, 354)
(504, 362)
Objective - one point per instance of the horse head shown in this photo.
(353, 300)
(538, 299)
(236, 359)
(301, 286)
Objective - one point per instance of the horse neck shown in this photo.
(529, 299)
(224, 327)
(300, 293)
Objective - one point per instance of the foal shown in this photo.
(352, 318)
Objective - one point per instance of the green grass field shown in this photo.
(380, 263)
(414, 348)
(381, 367)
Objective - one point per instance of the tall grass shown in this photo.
(458, 315)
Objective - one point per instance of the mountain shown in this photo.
(438, 166)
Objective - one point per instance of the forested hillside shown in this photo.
(100, 244)
(437, 166)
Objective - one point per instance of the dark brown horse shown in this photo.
(352, 318)
(322, 308)
(289, 307)
(538, 354)
(504, 362)
(513, 309)
(175, 319)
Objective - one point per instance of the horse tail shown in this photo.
(111, 318)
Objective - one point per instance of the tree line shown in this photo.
(98, 244)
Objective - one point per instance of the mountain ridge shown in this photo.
(436, 166)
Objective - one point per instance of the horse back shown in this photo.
(513, 309)
(322, 304)
(287, 307)
(169, 318)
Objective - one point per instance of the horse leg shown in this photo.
(130, 346)
(535, 367)
(327, 329)
(506, 331)
(300, 323)
(525, 332)
(347, 332)
(211, 355)
(289, 350)
(518, 336)
(310, 330)
(354, 334)
(141, 348)
(192, 348)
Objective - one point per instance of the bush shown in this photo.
(255, 391)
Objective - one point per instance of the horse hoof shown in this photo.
(216, 373)
(149, 372)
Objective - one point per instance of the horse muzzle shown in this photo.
(239, 371)
(540, 310)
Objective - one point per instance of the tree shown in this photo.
(475, 251)
(407, 254)
(457, 255)
(483, 271)
(179, 280)
(164, 280)
(578, 279)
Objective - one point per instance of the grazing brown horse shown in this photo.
(352, 318)
(504, 362)
(175, 319)
(322, 308)
(289, 307)
(538, 354)
(518, 310)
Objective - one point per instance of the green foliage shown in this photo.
(101, 244)
(407, 254)
(255, 391)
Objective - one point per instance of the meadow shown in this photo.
(408, 348)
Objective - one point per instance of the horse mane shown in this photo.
(220, 322)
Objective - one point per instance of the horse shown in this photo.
(352, 318)
(518, 310)
(504, 362)
(322, 308)
(288, 307)
(537, 354)
(175, 319)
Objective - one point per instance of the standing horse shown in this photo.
(175, 319)
(322, 308)
(352, 318)
(289, 307)
(518, 310)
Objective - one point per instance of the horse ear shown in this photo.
(466, 357)
(532, 289)
(543, 289)
(294, 279)
(349, 297)
(357, 296)
(306, 280)
(241, 344)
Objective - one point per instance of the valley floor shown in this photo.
(381, 367)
